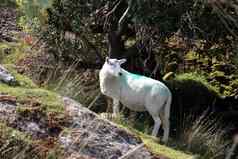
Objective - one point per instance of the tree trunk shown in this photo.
(116, 45)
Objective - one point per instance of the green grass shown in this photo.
(163, 150)
(49, 100)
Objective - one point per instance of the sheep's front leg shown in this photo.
(116, 105)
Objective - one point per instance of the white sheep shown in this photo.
(138, 93)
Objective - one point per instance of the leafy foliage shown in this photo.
(150, 32)
(34, 14)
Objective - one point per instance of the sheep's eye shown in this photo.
(112, 64)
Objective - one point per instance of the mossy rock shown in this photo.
(192, 95)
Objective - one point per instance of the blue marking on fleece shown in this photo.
(163, 91)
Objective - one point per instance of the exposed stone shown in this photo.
(87, 137)
(7, 112)
(98, 138)
(6, 77)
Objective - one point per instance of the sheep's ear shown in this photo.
(122, 61)
(107, 59)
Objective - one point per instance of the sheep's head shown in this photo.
(113, 66)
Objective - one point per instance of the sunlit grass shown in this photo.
(153, 143)
(49, 100)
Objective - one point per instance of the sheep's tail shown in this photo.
(168, 106)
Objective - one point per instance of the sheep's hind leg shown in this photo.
(166, 119)
(165, 125)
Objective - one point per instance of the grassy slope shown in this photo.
(53, 103)
(153, 145)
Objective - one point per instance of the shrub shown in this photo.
(34, 14)
(198, 78)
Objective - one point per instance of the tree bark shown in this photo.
(116, 45)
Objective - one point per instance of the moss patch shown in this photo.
(51, 101)
(198, 78)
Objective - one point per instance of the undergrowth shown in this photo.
(204, 138)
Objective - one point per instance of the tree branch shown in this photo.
(122, 20)
(114, 8)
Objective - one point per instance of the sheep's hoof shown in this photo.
(164, 141)
(115, 116)
(156, 139)
(109, 116)
(106, 115)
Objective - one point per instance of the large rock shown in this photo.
(94, 137)
(87, 136)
